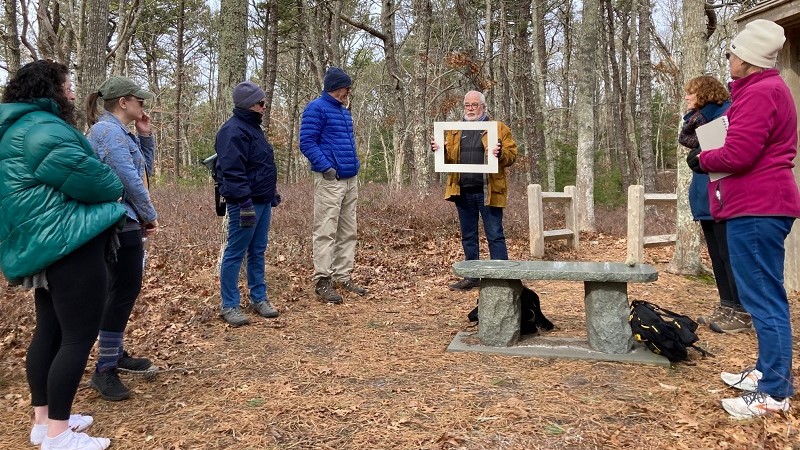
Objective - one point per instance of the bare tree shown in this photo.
(686, 258)
(92, 67)
(585, 99)
(646, 97)
(232, 51)
(10, 36)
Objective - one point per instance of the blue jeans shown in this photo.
(469, 206)
(251, 241)
(756, 248)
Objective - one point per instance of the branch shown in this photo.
(361, 25)
(664, 50)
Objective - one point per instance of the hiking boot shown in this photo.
(754, 404)
(109, 386)
(466, 284)
(718, 313)
(734, 322)
(76, 423)
(70, 440)
(348, 285)
(746, 380)
(234, 316)
(324, 289)
(265, 309)
(128, 363)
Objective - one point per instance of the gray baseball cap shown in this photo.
(116, 87)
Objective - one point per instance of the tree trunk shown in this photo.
(270, 67)
(232, 52)
(584, 100)
(180, 62)
(13, 57)
(421, 123)
(686, 258)
(646, 98)
(93, 66)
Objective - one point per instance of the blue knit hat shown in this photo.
(335, 78)
(247, 94)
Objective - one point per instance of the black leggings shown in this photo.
(717, 241)
(67, 321)
(124, 282)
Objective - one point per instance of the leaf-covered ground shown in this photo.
(373, 373)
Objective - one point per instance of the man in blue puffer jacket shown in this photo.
(327, 140)
(246, 166)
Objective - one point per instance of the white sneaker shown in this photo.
(77, 422)
(754, 404)
(70, 440)
(747, 380)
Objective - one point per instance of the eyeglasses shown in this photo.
(472, 105)
(141, 101)
(262, 103)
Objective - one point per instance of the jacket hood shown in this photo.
(712, 110)
(10, 113)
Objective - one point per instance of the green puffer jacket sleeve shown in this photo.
(69, 165)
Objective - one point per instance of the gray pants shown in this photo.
(334, 231)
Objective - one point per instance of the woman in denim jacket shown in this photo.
(131, 157)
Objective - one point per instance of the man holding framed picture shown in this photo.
(478, 194)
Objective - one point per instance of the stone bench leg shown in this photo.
(607, 312)
(499, 312)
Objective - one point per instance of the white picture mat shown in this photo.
(438, 157)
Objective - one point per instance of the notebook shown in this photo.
(712, 135)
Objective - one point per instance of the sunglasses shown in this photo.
(141, 101)
(262, 103)
(728, 55)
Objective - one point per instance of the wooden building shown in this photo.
(785, 13)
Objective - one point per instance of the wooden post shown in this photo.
(571, 218)
(635, 225)
(536, 220)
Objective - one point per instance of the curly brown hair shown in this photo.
(41, 79)
(708, 90)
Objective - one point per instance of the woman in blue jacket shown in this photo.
(131, 157)
(707, 99)
(58, 210)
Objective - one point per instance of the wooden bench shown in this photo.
(605, 297)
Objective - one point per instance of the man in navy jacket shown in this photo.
(327, 140)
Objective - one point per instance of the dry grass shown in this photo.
(373, 373)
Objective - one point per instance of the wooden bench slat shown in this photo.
(551, 235)
(669, 199)
(659, 241)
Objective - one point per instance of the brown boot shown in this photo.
(324, 289)
(348, 285)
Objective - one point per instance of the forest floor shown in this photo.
(373, 373)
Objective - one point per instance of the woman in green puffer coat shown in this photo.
(58, 209)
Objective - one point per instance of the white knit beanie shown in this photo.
(759, 43)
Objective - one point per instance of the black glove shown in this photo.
(693, 161)
(276, 200)
(330, 174)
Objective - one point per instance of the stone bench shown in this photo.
(605, 297)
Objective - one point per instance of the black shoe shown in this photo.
(466, 284)
(348, 285)
(324, 289)
(109, 386)
(136, 365)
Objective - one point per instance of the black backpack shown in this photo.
(219, 201)
(531, 317)
(664, 332)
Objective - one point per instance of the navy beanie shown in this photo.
(335, 78)
(247, 94)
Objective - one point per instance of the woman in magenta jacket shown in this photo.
(759, 201)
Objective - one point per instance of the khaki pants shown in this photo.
(333, 234)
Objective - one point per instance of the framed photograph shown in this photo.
(490, 161)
